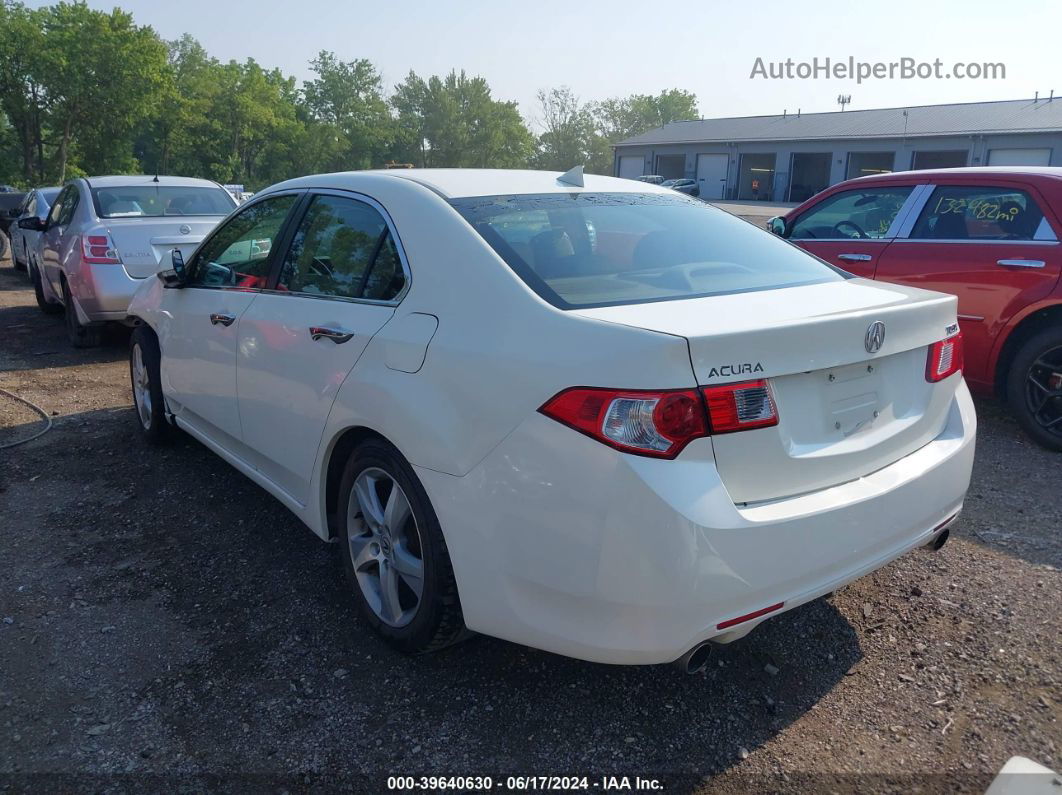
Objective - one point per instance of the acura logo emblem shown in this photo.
(875, 337)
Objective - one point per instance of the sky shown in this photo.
(603, 49)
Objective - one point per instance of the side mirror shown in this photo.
(33, 223)
(777, 225)
(176, 275)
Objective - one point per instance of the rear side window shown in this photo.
(138, 201)
(863, 213)
(603, 249)
(342, 249)
(957, 212)
(69, 201)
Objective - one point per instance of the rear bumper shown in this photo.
(103, 292)
(561, 543)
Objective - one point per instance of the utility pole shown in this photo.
(843, 99)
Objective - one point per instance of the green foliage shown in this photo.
(84, 91)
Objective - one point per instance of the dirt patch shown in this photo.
(166, 623)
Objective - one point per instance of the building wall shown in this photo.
(976, 146)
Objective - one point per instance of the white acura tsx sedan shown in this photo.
(589, 415)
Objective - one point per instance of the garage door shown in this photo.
(711, 175)
(1019, 157)
(630, 166)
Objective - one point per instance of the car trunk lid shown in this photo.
(144, 244)
(844, 412)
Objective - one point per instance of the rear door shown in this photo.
(851, 228)
(338, 283)
(991, 245)
(51, 242)
(201, 321)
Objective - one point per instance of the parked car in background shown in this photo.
(104, 235)
(652, 179)
(687, 186)
(10, 201)
(987, 235)
(24, 241)
(584, 414)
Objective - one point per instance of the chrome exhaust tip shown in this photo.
(696, 659)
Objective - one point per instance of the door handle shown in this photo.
(1021, 263)
(225, 320)
(338, 336)
(855, 257)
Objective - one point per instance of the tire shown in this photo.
(149, 405)
(46, 306)
(1034, 388)
(375, 553)
(80, 336)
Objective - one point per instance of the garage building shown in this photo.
(792, 156)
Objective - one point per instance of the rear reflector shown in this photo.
(749, 616)
(741, 406)
(945, 358)
(637, 421)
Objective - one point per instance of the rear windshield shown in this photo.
(138, 201)
(603, 249)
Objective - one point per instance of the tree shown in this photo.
(21, 95)
(352, 125)
(454, 122)
(571, 136)
(623, 117)
(101, 74)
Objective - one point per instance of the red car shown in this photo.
(987, 235)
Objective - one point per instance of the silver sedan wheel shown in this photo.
(141, 388)
(385, 547)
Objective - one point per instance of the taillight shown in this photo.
(637, 421)
(741, 406)
(98, 249)
(945, 358)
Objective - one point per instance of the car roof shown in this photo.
(1049, 172)
(129, 180)
(454, 183)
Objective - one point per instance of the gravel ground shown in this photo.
(166, 623)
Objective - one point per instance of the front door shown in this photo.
(991, 246)
(201, 323)
(337, 287)
(711, 176)
(851, 228)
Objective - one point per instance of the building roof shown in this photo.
(1010, 116)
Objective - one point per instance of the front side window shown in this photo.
(860, 214)
(153, 201)
(342, 249)
(237, 254)
(605, 249)
(957, 212)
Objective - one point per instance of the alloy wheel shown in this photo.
(1043, 390)
(141, 387)
(385, 547)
